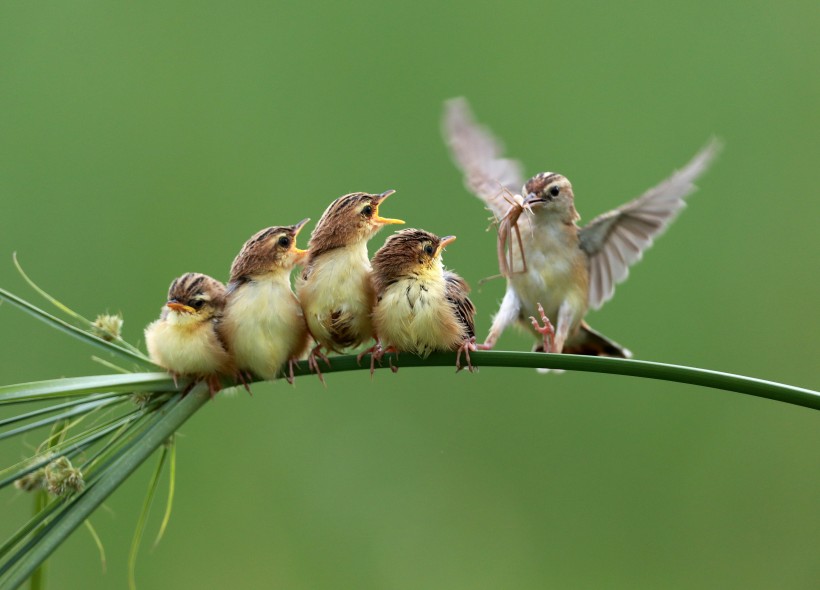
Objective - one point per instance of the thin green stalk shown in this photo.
(135, 357)
(172, 477)
(143, 519)
(169, 419)
(595, 364)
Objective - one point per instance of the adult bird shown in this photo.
(561, 270)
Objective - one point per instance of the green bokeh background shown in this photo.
(142, 140)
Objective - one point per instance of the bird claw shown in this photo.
(465, 348)
(547, 331)
(244, 378)
(214, 385)
(291, 364)
(313, 362)
(376, 353)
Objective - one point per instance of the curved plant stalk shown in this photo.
(123, 442)
(135, 357)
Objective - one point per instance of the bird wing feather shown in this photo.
(616, 240)
(478, 153)
(456, 293)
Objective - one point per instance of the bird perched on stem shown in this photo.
(263, 325)
(420, 307)
(185, 340)
(563, 269)
(335, 287)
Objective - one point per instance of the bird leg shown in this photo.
(243, 378)
(564, 322)
(214, 385)
(292, 363)
(507, 314)
(376, 353)
(547, 331)
(313, 361)
(371, 351)
(466, 346)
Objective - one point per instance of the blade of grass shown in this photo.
(771, 390)
(167, 422)
(143, 519)
(80, 410)
(97, 541)
(172, 476)
(73, 386)
(63, 326)
(65, 309)
(54, 408)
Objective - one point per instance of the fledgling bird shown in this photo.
(420, 306)
(565, 270)
(185, 339)
(263, 324)
(335, 287)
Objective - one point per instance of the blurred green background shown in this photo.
(142, 140)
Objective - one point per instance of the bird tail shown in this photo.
(588, 341)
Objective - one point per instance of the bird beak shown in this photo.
(378, 218)
(180, 307)
(443, 243)
(531, 198)
(296, 229)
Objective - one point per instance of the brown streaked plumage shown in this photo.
(567, 269)
(335, 287)
(263, 324)
(420, 306)
(185, 339)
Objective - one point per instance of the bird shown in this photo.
(263, 324)
(420, 306)
(185, 339)
(560, 270)
(335, 287)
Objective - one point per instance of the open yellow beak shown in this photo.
(181, 307)
(443, 243)
(296, 229)
(378, 218)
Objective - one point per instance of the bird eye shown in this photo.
(197, 304)
(428, 249)
(367, 211)
(284, 241)
(554, 191)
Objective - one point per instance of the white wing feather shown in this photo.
(617, 239)
(479, 156)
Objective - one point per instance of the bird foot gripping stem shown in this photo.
(547, 331)
(376, 353)
(465, 348)
(313, 362)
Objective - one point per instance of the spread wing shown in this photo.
(478, 154)
(456, 294)
(616, 240)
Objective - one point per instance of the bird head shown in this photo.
(271, 250)
(350, 219)
(409, 252)
(549, 193)
(194, 297)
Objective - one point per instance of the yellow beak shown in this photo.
(443, 243)
(296, 229)
(181, 307)
(378, 218)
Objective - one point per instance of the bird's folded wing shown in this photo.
(456, 293)
(478, 154)
(617, 239)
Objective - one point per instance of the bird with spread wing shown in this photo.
(559, 270)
